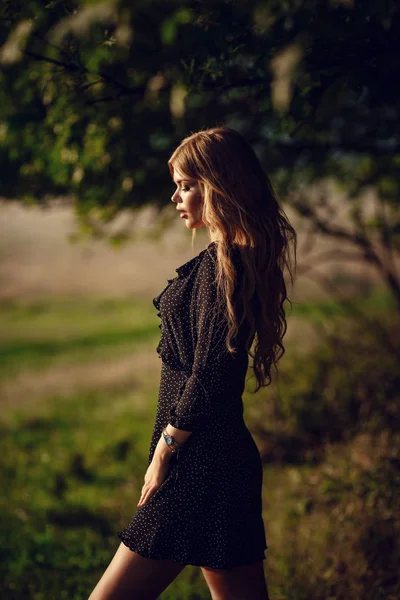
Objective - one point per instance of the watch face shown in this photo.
(168, 439)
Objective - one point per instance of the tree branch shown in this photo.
(82, 69)
(359, 239)
(329, 255)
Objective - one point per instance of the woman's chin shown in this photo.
(192, 224)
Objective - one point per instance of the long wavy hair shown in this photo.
(241, 210)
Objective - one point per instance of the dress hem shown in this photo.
(194, 563)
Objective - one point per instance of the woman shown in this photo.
(201, 499)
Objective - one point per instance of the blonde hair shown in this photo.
(241, 210)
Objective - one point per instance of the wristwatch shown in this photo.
(171, 442)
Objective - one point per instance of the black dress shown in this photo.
(208, 510)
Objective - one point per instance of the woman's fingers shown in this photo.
(146, 494)
(143, 495)
(154, 473)
(144, 499)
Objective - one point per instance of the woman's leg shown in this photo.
(246, 582)
(130, 576)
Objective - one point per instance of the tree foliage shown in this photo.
(95, 95)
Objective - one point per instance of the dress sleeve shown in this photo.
(195, 407)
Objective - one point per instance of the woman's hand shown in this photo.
(159, 466)
(155, 475)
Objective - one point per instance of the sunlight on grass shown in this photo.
(33, 335)
(74, 464)
(79, 393)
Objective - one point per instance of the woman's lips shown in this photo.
(182, 215)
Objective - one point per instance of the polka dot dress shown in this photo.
(208, 510)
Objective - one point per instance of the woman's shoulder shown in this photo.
(208, 263)
(209, 255)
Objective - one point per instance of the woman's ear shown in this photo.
(202, 189)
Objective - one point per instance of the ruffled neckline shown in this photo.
(163, 349)
(186, 268)
(182, 271)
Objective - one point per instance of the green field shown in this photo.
(79, 383)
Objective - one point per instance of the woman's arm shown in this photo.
(158, 469)
(194, 409)
(162, 453)
(197, 403)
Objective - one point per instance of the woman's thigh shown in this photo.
(245, 582)
(130, 576)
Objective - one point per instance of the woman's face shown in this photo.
(188, 199)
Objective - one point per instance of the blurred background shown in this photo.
(94, 97)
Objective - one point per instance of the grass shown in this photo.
(79, 392)
(73, 464)
(35, 334)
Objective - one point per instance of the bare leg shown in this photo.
(130, 576)
(246, 582)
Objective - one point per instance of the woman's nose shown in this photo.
(173, 197)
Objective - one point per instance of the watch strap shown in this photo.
(171, 442)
